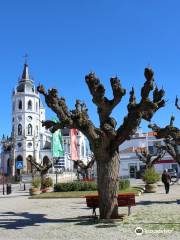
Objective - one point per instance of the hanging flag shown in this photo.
(74, 149)
(57, 143)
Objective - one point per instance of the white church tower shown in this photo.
(28, 137)
(27, 114)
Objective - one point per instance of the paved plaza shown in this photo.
(25, 219)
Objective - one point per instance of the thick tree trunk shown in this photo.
(108, 172)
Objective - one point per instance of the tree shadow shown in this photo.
(14, 196)
(155, 202)
(13, 220)
(107, 226)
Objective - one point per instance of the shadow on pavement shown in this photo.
(14, 196)
(13, 220)
(155, 202)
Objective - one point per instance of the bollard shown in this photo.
(8, 188)
(3, 189)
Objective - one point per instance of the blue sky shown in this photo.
(66, 39)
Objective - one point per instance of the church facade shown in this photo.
(28, 137)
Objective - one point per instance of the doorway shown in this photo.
(132, 170)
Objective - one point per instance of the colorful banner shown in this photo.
(74, 148)
(57, 143)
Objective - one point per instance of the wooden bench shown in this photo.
(124, 200)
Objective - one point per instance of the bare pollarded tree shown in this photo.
(42, 168)
(150, 159)
(105, 140)
(171, 136)
(85, 170)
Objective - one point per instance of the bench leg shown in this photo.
(94, 212)
(129, 210)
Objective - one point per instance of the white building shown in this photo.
(130, 163)
(28, 137)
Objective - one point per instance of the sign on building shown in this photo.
(19, 164)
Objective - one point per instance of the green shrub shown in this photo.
(47, 182)
(123, 184)
(75, 186)
(151, 176)
(36, 182)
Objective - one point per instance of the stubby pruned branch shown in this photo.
(177, 103)
(52, 126)
(77, 118)
(97, 90)
(168, 132)
(145, 109)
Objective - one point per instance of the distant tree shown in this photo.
(85, 170)
(150, 159)
(105, 140)
(171, 136)
(42, 168)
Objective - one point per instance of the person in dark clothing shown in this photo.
(166, 179)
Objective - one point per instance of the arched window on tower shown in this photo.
(19, 130)
(13, 106)
(20, 104)
(29, 105)
(29, 129)
(36, 106)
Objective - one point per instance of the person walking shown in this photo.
(166, 179)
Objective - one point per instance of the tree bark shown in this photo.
(43, 177)
(108, 185)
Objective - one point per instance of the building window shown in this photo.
(19, 145)
(29, 129)
(37, 131)
(36, 107)
(29, 144)
(19, 158)
(13, 106)
(19, 129)
(29, 105)
(20, 104)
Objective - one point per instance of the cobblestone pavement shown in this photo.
(158, 215)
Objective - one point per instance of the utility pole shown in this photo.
(2, 166)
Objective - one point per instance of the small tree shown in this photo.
(171, 136)
(150, 159)
(43, 169)
(151, 176)
(83, 169)
(105, 140)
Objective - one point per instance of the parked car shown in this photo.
(172, 172)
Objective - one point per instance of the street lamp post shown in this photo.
(3, 181)
(2, 167)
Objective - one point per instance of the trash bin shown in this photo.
(8, 188)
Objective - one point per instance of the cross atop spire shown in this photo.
(26, 58)
(25, 74)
